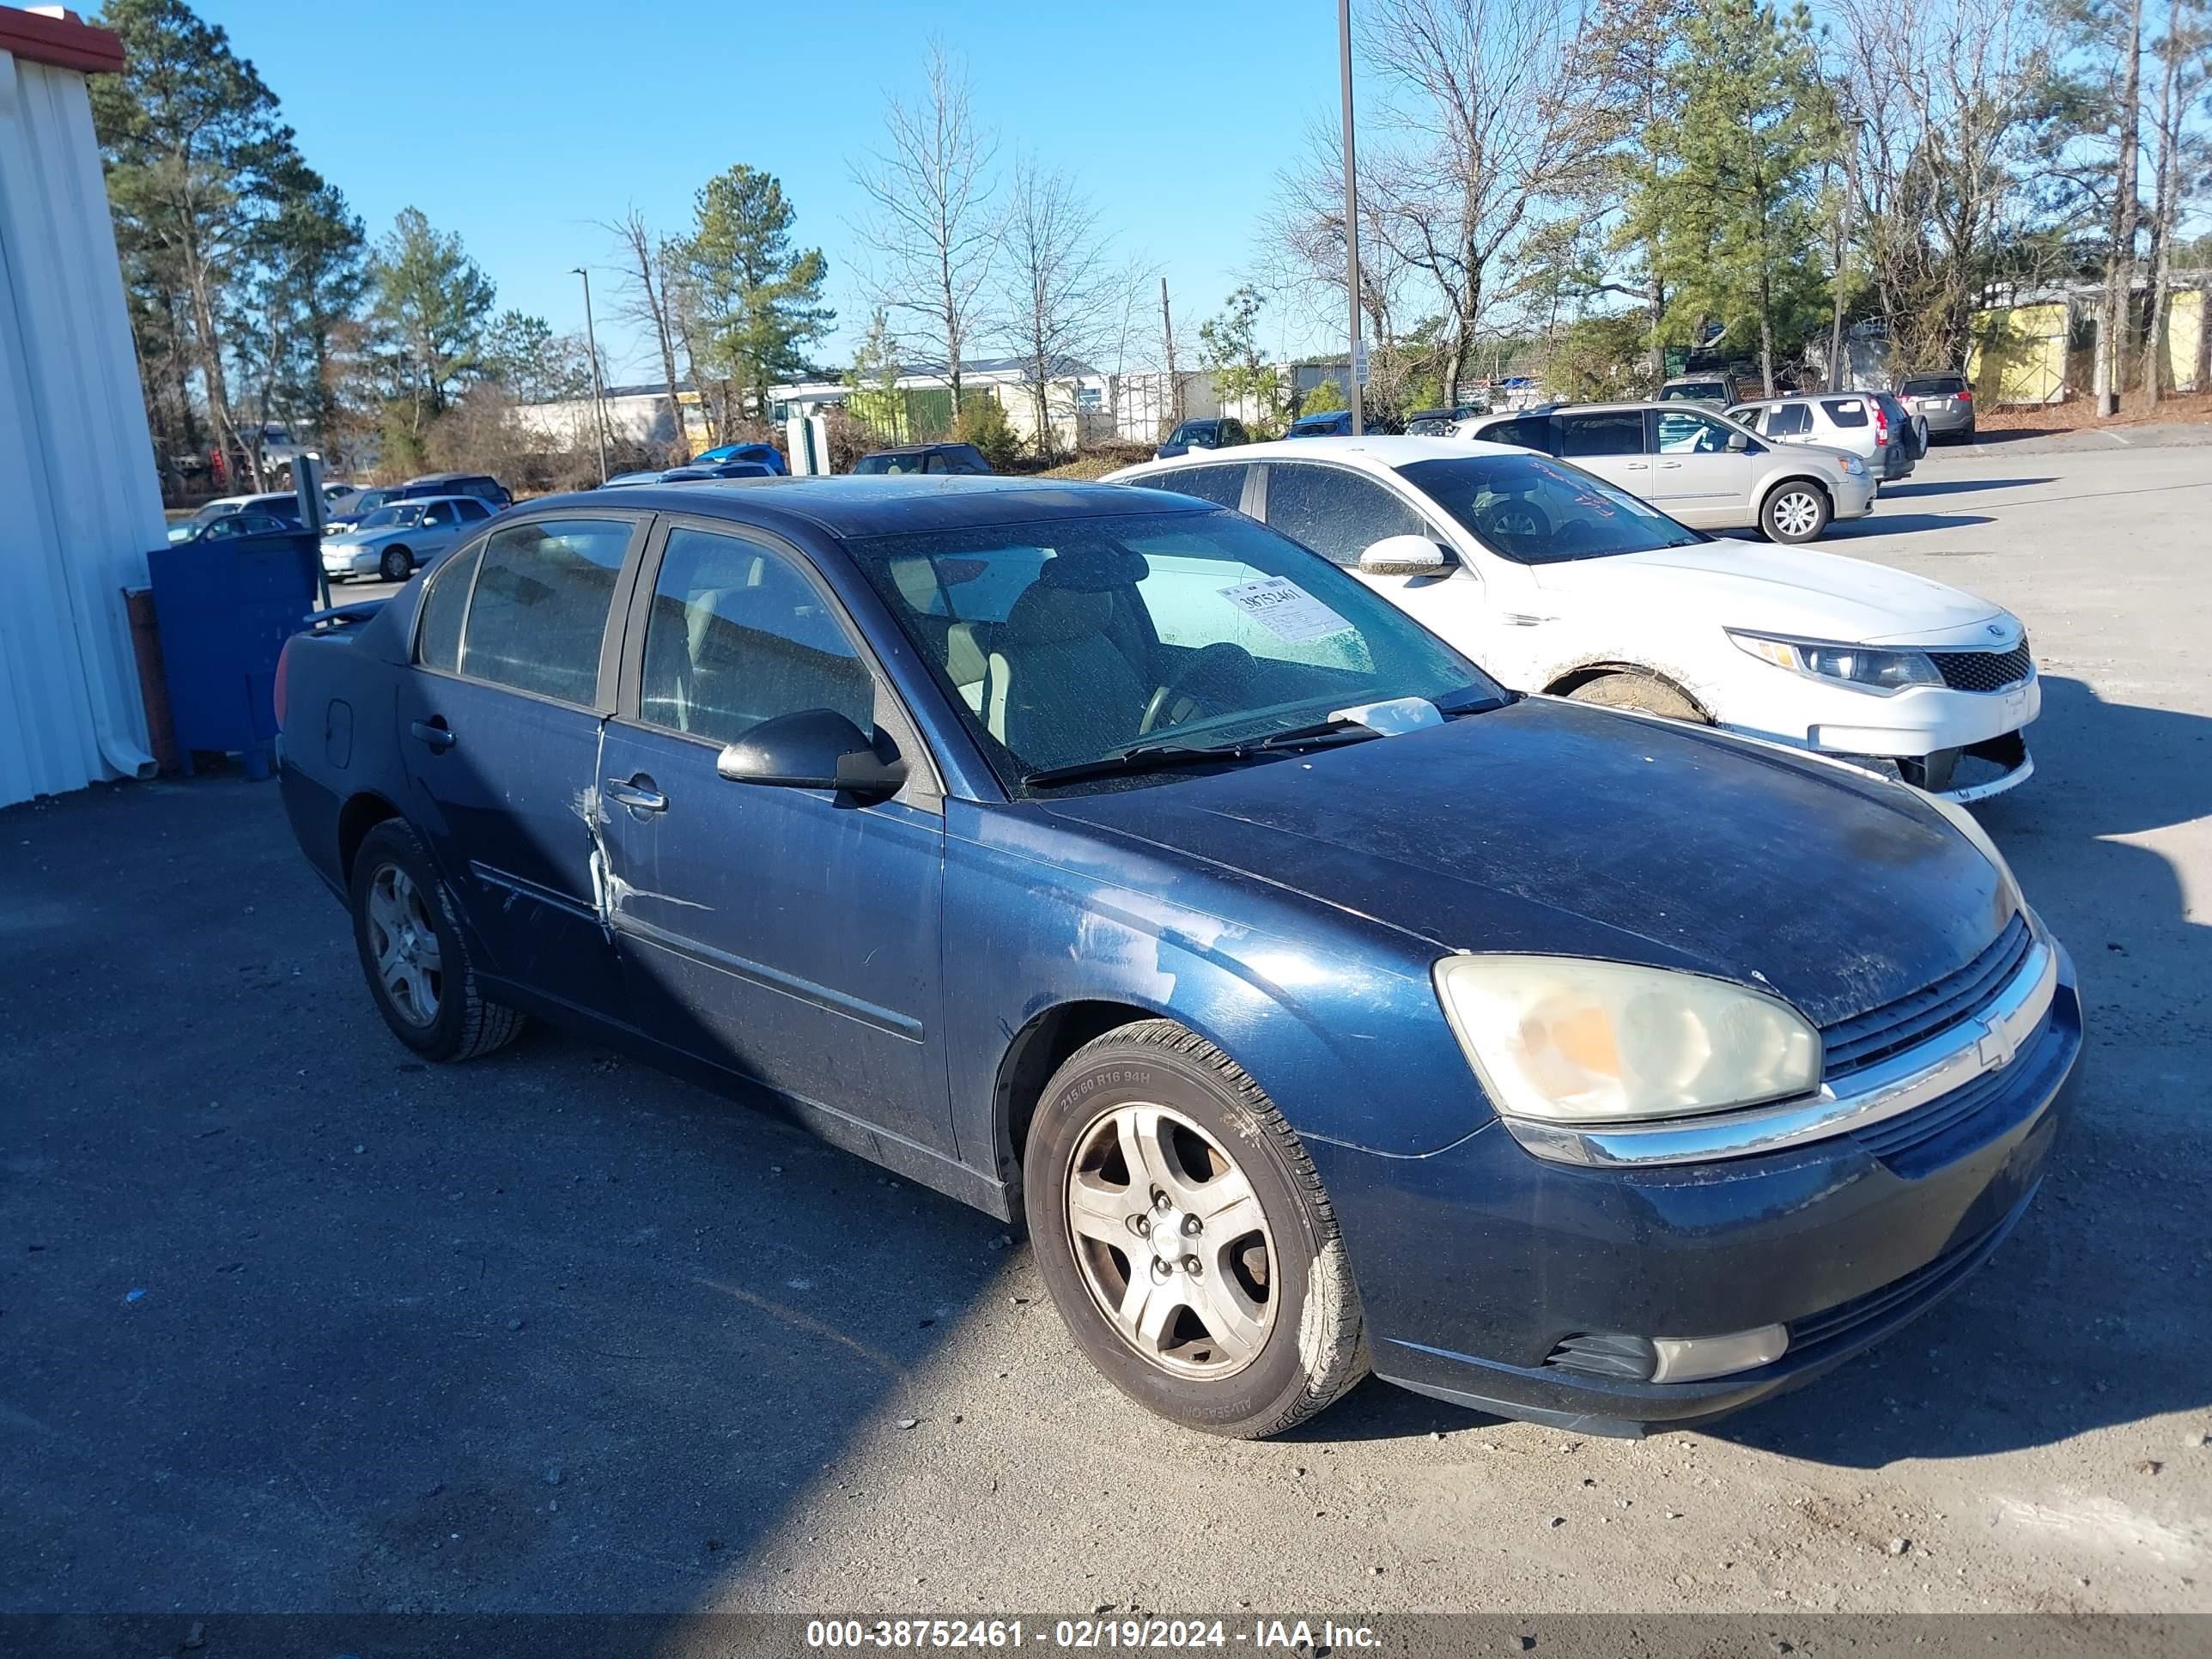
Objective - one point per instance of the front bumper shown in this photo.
(1963, 745)
(1478, 1262)
(352, 561)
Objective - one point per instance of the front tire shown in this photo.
(1185, 1238)
(412, 952)
(397, 564)
(1645, 694)
(1795, 511)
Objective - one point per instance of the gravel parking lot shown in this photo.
(292, 1321)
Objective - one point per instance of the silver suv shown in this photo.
(1697, 467)
(1871, 425)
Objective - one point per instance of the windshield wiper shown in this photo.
(1145, 757)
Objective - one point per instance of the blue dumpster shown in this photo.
(224, 609)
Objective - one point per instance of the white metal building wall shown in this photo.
(80, 503)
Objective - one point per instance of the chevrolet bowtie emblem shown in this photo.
(1996, 1046)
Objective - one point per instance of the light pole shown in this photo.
(592, 345)
(1853, 125)
(1352, 392)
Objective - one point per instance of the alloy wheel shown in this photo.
(1171, 1241)
(1796, 514)
(405, 945)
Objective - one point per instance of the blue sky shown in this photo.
(518, 125)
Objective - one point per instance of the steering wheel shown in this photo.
(1222, 667)
(1518, 518)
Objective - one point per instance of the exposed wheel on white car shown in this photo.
(1646, 694)
(1795, 511)
(1185, 1237)
(397, 564)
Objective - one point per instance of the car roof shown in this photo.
(916, 449)
(1375, 451)
(445, 478)
(872, 505)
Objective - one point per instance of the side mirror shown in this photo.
(1739, 441)
(1405, 556)
(813, 749)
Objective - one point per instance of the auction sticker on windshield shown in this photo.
(1286, 610)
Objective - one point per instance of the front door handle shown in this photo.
(1635, 466)
(637, 794)
(434, 733)
(1671, 466)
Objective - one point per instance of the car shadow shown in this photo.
(1881, 522)
(1919, 489)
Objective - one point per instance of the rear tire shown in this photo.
(1646, 694)
(397, 564)
(1152, 1123)
(413, 953)
(1795, 511)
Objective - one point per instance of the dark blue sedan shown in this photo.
(1102, 858)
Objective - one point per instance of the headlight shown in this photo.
(1563, 1040)
(1877, 668)
(1853, 466)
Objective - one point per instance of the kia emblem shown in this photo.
(1996, 631)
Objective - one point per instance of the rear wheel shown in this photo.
(1795, 511)
(412, 952)
(1185, 1237)
(1646, 694)
(398, 564)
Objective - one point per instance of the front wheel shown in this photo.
(1185, 1237)
(1645, 694)
(398, 564)
(1795, 511)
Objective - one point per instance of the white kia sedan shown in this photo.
(1559, 582)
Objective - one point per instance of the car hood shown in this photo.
(1553, 828)
(1784, 590)
(367, 538)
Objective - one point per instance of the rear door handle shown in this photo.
(434, 733)
(1670, 467)
(1635, 466)
(637, 793)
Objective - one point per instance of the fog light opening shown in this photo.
(1693, 1359)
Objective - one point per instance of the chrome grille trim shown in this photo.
(1927, 1071)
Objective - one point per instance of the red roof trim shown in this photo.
(61, 42)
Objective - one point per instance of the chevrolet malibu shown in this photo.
(1103, 858)
(1557, 581)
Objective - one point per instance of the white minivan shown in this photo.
(1556, 581)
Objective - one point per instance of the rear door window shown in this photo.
(539, 614)
(1618, 432)
(1846, 411)
(1221, 485)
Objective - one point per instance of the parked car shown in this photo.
(1858, 421)
(767, 455)
(1944, 404)
(251, 521)
(1086, 854)
(1213, 433)
(696, 472)
(627, 480)
(1329, 424)
(395, 541)
(482, 486)
(937, 459)
(1699, 469)
(1714, 390)
(1558, 582)
(1439, 423)
(279, 504)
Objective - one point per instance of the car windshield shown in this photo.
(899, 465)
(1071, 641)
(1934, 385)
(398, 513)
(1533, 510)
(1193, 432)
(1696, 391)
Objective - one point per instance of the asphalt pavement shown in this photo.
(291, 1320)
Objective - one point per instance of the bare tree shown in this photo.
(933, 230)
(2125, 28)
(1947, 94)
(1488, 101)
(1058, 295)
(2184, 54)
(645, 305)
(1126, 323)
